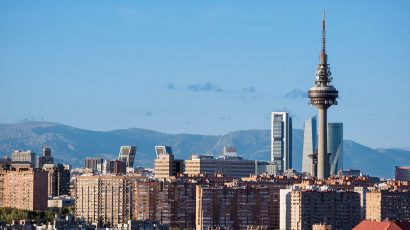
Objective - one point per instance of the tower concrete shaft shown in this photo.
(322, 158)
(323, 95)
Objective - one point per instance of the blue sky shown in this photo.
(206, 67)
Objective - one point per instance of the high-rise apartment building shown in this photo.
(309, 144)
(24, 156)
(165, 166)
(127, 154)
(392, 205)
(235, 167)
(105, 200)
(281, 141)
(402, 173)
(58, 179)
(341, 209)
(237, 207)
(23, 188)
(46, 158)
(335, 147)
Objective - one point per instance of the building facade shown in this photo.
(46, 158)
(105, 200)
(281, 141)
(341, 209)
(235, 167)
(394, 205)
(402, 173)
(24, 156)
(165, 165)
(23, 188)
(335, 147)
(94, 163)
(58, 179)
(237, 207)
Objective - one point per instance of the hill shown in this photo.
(72, 145)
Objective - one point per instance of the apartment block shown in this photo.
(341, 209)
(237, 207)
(23, 188)
(394, 205)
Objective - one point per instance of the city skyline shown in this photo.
(236, 63)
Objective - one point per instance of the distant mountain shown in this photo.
(72, 145)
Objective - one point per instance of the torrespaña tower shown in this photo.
(323, 95)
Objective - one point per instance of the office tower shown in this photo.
(165, 166)
(335, 147)
(58, 179)
(94, 163)
(45, 158)
(116, 167)
(309, 143)
(323, 95)
(385, 204)
(341, 209)
(24, 156)
(402, 173)
(281, 141)
(235, 167)
(23, 188)
(127, 154)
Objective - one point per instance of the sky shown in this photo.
(205, 67)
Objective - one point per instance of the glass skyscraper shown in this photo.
(309, 142)
(281, 141)
(335, 146)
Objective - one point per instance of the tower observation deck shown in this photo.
(323, 95)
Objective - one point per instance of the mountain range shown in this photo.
(72, 145)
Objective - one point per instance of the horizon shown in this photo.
(208, 69)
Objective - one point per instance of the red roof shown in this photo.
(382, 225)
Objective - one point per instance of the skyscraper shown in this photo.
(335, 147)
(309, 143)
(281, 141)
(127, 155)
(323, 95)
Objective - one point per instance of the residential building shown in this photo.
(23, 188)
(335, 147)
(281, 141)
(341, 209)
(237, 207)
(58, 179)
(104, 199)
(394, 205)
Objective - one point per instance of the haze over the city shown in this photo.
(205, 67)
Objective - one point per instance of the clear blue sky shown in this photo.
(206, 67)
